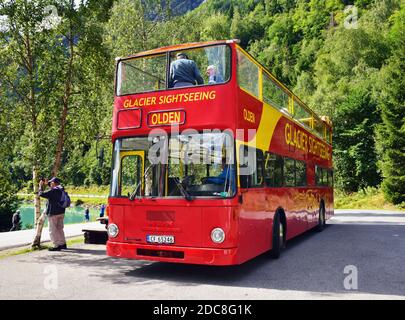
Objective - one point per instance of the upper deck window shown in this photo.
(273, 94)
(248, 74)
(302, 114)
(198, 66)
(212, 64)
(142, 74)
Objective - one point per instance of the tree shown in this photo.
(134, 26)
(391, 132)
(8, 189)
(355, 153)
(26, 74)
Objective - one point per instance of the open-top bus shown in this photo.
(216, 173)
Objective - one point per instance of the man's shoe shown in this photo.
(58, 248)
(63, 246)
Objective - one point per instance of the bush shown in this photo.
(28, 226)
(8, 199)
(79, 202)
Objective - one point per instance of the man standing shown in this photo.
(184, 72)
(16, 221)
(55, 212)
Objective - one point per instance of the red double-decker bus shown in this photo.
(214, 173)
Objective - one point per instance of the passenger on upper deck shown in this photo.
(184, 72)
(213, 75)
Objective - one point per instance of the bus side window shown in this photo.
(251, 167)
(259, 176)
(300, 173)
(330, 178)
(289, 172)
(273, 170)
(318, 175)
(323, 177)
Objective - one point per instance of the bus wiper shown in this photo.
(183, 191)
(133, 194)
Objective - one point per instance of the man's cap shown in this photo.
(54, 179)
(181, 54)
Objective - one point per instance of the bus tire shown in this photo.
(278, 237)
(321, 218)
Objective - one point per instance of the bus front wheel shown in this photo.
(278, 237)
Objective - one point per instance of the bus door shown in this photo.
(132, 171)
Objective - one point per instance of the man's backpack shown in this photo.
(64, 200)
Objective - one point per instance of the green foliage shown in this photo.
(8, 195)
(355, 76)
(355, 155)
(369, 198)
(391, 133)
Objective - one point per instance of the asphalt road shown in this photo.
(312, 267)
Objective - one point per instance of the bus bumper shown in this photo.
(190, 255)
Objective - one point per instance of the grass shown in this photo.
(100, 191)
(85, 195)
(28, 249)
(370, 198)
(91, 195)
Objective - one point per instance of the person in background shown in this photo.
(87, 214)
(184, 72)
(102, 209)
(213, 75)
(54, 211)
(16, 221)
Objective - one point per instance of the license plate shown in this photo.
(160, 239)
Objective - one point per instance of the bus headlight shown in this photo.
(112, 230)
(217, 235)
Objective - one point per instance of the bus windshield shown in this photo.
(196, 164)
(156, 72)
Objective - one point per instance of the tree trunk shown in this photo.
(36, 243)
(39, 218)
(66, 98)
(61, 139)
(37, 201)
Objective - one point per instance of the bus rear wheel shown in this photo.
(321, 219)
(278, 237)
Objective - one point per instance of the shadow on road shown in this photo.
(312, 262)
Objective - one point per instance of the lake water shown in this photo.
(72, 215)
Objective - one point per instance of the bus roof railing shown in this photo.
(178, 47)
(289, 92)
(192, 45)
